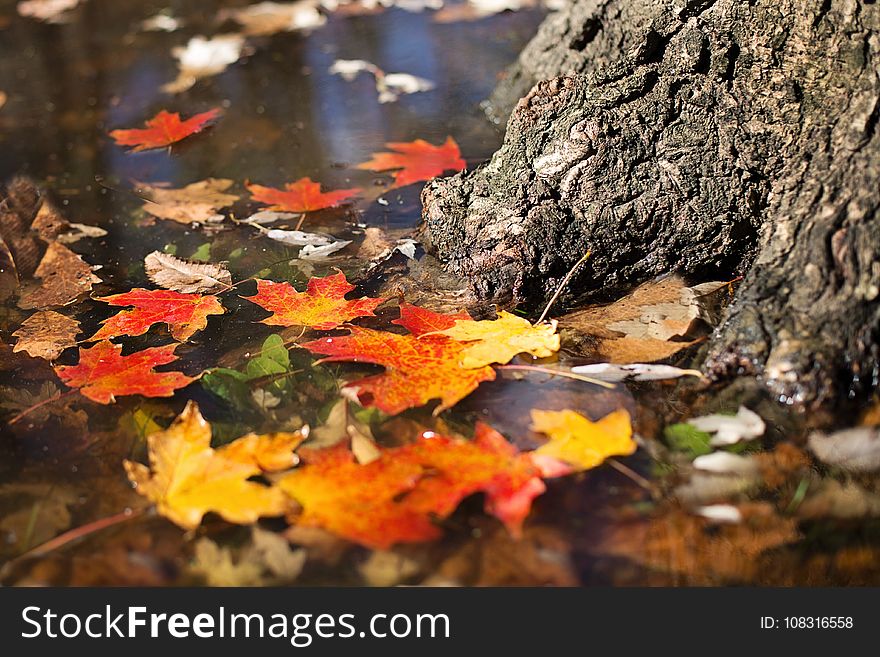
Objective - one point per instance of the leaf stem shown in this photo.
(562, 373)
(31, 409)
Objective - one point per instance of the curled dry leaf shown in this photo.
(730, 429)
(103, 373)
(46, 334)
(322, 306)
(390, 86)
(299, 238)
(314, 252)
(853, 450)
(268, 216)
(634, 372)
(202, 58)
(80, 231)
(185, 314)
(164, 129)
(198, 202)
(266, 18)
(61, 278)
(416, 161)
(51, 11)
(187, 478)
(500, 340)
(580, 442)
(185, 276)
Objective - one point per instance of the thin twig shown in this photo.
(632, 474)
(562, 373)
(561, 287)
(80, 532)
(31, 409)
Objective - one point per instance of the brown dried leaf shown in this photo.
(195, 203)
(185, 276)
(63, 276)
(46, 334)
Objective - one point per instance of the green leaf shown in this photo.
(203, 253)
(685, 438)
(230, 385)
(274, 349)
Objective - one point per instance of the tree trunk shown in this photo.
(704, 137)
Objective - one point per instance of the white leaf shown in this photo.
(161, 23)
(312, 252)
(726, 463)
(389, 86)
(299, 238)
(268, 217)
(79, 232)
(720, 513)
(204, 57)
(407, 247)
(730, 429)
(635, 372)
(854, 450)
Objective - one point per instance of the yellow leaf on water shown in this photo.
(499, 340)
(187, 478)
(579, 441)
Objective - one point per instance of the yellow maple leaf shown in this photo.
(187, 478)
(579, 441)
(499, 340)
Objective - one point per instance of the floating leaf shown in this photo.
(50, 11)
(184, 276)
(396, 497)
(198, 202)
(183, 313)
(313, 252)
(202, 58)
(164, 129)
(634, 372)
(322, 306)
(418, 369)
(730, 429)
(46, 334)
(390, 86)
(854, 450)
(499, 340)
(304, 195)
(103, 373)
(416, 161)
(187, 478)
(265, 18)
(579, 441)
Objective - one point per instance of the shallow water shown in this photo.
(284, 117)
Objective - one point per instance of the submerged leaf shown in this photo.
(46, 334)
(62, 277)
(579, 441)
(198, 202)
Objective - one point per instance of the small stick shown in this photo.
(632, 474)
(80, 532)
(562, 287)
(31, 409)
(562, 373)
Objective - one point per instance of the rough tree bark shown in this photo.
(705, 137)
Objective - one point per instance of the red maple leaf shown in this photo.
(398, 497)
(418, 369)
(304, 195)
(164, 129)
(416, 161)
(184, 313)
(322, 306)
(103, 373)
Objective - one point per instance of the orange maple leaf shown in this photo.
(304, 195)
(103, 373)
(183, 313)
(322, 306)
(164, 129)
(416, 161)
(397, 497)
(418, 369)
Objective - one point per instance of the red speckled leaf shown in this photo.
(184, 313)
(398, 497)
(322, 306)
(416, 161)
(304, 195)
(417, 369)
(164, 129)
(104, 373)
